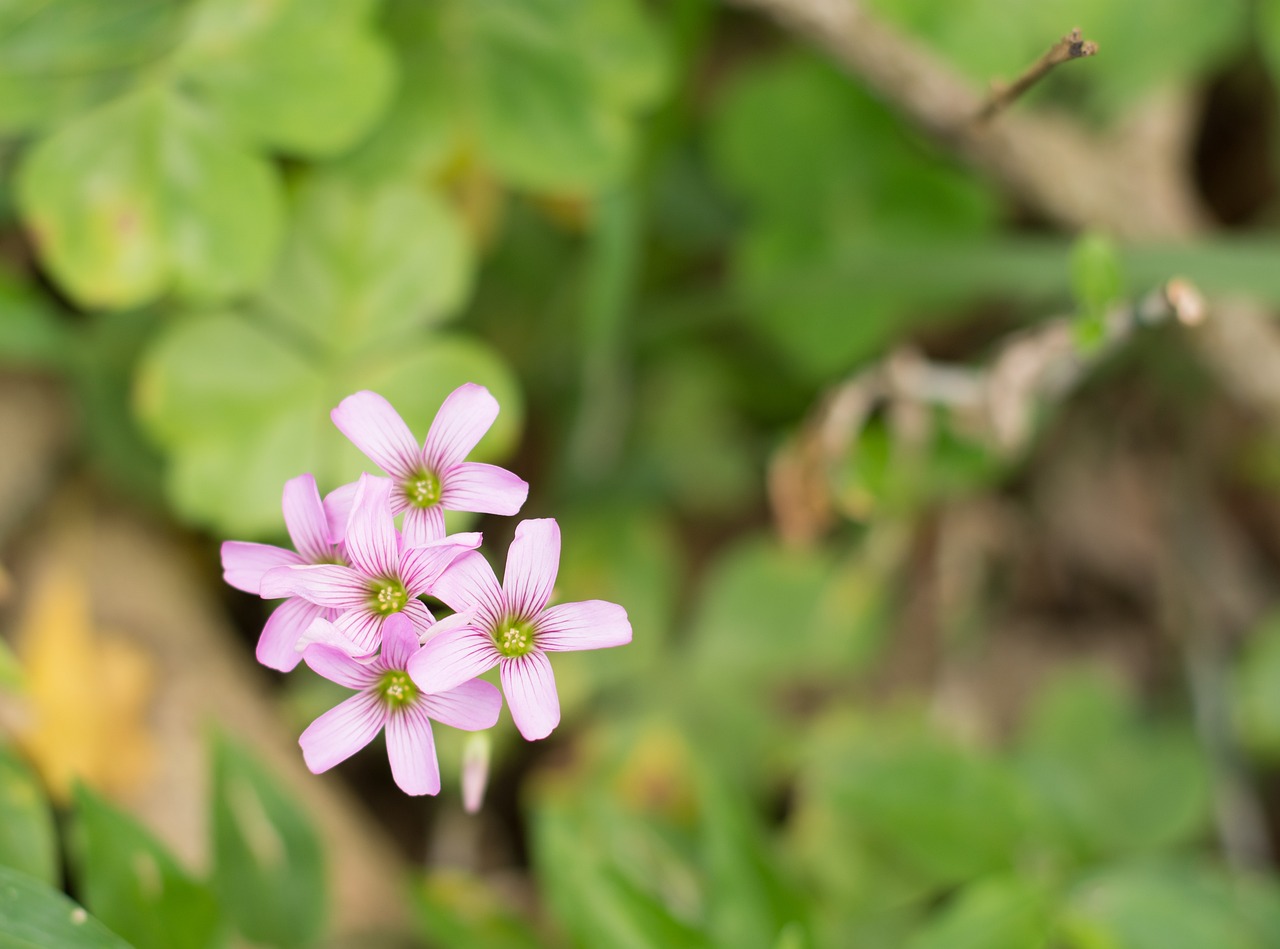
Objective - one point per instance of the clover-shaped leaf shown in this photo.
(240, 399)
(145, 193)
(365, 264)
(306, 76)
(59, 57)
(543, 92)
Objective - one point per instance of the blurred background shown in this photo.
(935, 458)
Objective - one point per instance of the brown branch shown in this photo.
(1072, 46)
(996, 405)
(1052, 163)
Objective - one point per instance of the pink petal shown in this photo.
(420, 567)
(363, 628)
(591, 624)
(329, 585)
(449, 623)
(305, 517)
(412, 751)
(336, 666)
(423, 525)
(244, 563)
(446, 661)
(378, 430)
(485, 489)
(468, 585)
(372, 545)
(323, 631)
(337, 510)
(342, 731)
(399, 641)
(461, 422)
(532, 563)
(278, 644)
(423, 621)
(471, 706)
(530, 689)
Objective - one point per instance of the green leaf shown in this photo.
(1095, 273)
(59, 57)
(1156, 907)
(364, 265)
(994, 913)
(759, 588)
(241, 401)
(1097, 284)
(592, 896)
(773, 622)
(1105, 783)
(28, 837)
(307, 77)
(145, 195)
(268, 865)
(748, 898)
(545, 93)
(825, 174)
(907, 800)
(33, 915)
(134, 885)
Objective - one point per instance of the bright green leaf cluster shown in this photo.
(158, 189)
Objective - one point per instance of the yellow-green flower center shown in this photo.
(388, 596)
(423, 489)
(397, 689)
(514, 638)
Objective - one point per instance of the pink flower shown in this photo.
(384, 577)
(434, 478)
(388, 698)
(510, 626)
(316, 529)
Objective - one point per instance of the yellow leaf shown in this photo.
(86, 691)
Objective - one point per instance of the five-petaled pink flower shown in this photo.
(384, 576)
(316, 528)
(433, 478)
(510, 626)
(388, 698)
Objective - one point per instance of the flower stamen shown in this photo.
(388, 596)
(514, 638)
(423, 489)
(397, 689)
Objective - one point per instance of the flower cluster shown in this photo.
(352, 587)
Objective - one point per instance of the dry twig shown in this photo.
(1050, 162)
(996, 404)
(1072, 46)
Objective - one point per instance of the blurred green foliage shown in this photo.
(657, 235)
(132, 883)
